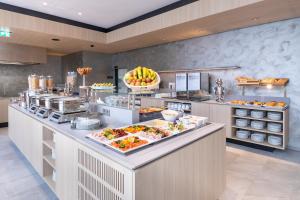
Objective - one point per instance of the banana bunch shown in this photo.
(141, 76)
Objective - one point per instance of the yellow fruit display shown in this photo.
(141, 76)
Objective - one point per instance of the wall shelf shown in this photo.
(202, 69)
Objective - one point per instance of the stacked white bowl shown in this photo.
(258, 125)
(275, 140)
(274, 127)
(258, 137)
(242, 122)
(276, 116)
(257, 114)
(241, 112)
(242, 134)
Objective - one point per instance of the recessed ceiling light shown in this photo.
(55, 39)
(45, 3)
(79, 13)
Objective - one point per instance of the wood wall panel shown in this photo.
(193, 20)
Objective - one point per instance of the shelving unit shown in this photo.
(49, 166)
(283, 133)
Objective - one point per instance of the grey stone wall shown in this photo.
(101, 64)
(263, 51)
(13, 78)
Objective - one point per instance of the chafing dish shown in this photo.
(66, 105)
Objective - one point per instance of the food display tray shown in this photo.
(138, 134)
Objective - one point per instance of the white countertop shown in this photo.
(136, 159)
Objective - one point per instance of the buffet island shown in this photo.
(183, 163)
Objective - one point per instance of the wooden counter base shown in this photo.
(194, 171)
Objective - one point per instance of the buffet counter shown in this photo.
(85, 169)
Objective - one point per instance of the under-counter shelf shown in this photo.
(50, 160)
(258, 130)
(50, 182)
(262, 119)
(49, 143)
(284, 132)
(259, 143)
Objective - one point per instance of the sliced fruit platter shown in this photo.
(153, 133)
(108, 134)
(141, 78)
(103, 86)
(129, 143)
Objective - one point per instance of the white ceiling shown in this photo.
(102, 13)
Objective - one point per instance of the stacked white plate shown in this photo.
(276, 116)
(275, 140)
(242, 122)
(258, 114)
(258, 137)
(274, 127)
(258, 124)
(242, 134)
(241, 112)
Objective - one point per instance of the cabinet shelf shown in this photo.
(259, 143)
(258, 130)
(49, 160)
(50, 182)
(49, 143)
(263, 119)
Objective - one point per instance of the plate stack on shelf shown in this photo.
(275, 140)
(276, 116)
(274, 127)
(257, 114)
(242, 122)
(241, 112)
(258, 125)
(242, 134)
(258, 137)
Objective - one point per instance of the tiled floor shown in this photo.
(251, 175)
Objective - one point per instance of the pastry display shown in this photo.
(243, 80)
(84, 70)
(247, 80)
(238, 102)
(270, 103)
(129, 143)
(279, 104)
(268, 81)
(150, 110)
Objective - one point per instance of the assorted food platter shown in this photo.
(131, 138)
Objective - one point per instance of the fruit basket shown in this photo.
(142, 79)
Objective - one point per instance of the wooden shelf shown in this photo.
(49, 160)
(49, 143)
(259, 143)
(263, 119)
(50, 182)
(250, 107)
(258, 130)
